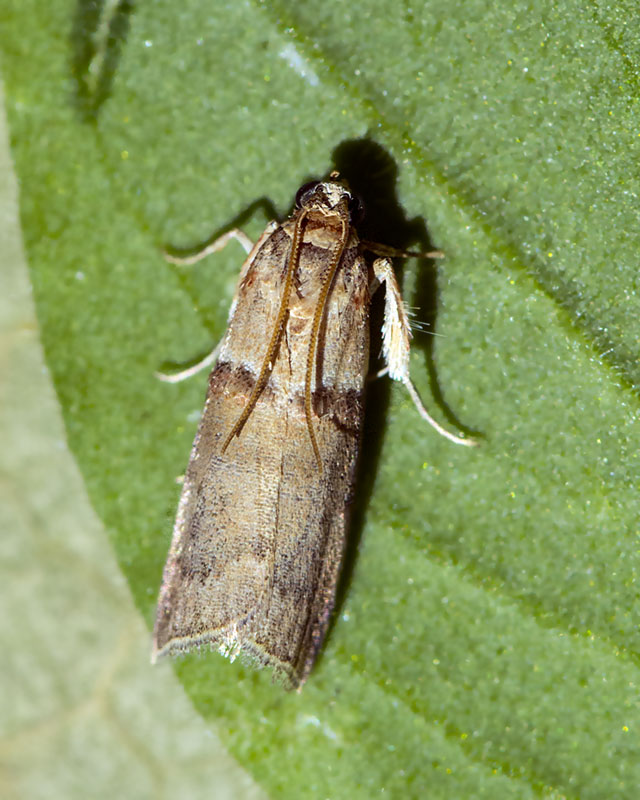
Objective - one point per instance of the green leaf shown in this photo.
(486, 644)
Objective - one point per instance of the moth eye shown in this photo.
(303, 190)
(356, 209)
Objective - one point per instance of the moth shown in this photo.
(261, 525)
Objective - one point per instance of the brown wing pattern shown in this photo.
(260, 531)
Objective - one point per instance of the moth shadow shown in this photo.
(98, 32)
(372, 173)
(262, 204)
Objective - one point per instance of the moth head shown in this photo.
(330, 196)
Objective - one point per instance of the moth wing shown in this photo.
(220, 558)
(313, 505)
(260, 531)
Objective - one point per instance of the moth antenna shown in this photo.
(315, 331)
(270, 356)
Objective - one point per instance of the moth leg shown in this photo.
(391, 252)
(396, 335)
(176, 377)
(213, 247)
(379, 374)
